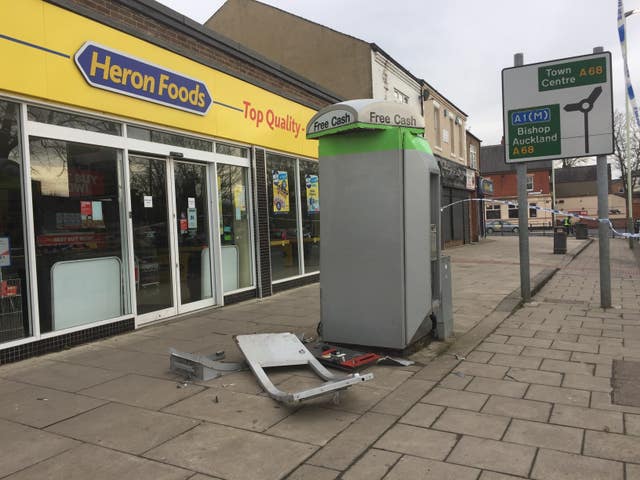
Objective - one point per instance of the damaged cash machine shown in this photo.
(383, 280)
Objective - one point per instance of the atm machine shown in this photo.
(381, 271)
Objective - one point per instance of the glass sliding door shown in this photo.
(151, 236)
(192, 224)
(79, 224)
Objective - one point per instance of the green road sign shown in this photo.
(534, 131)
(572, 74)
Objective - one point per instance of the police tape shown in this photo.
(549, 210)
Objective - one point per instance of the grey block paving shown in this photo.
(553, 465)
(232, 453)
(372, 466)
(310, 471)
(122, 427)
(97, 463)
(141, 391)
(530, 400)
(454, 398)
(403, 397)
(507, 388)
(251, 412)
(567, 396)
(534, 376)
(544, 435)
(417, 441)
(313, 425)
(422, 415)
(41, 407)
(588, 418)
(22, 446)
(419, 468)
(342, 450)
(472, 423)
(518, 408)
(493, 455)
(613, 446)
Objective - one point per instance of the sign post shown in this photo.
(553, 110)
(523, 214)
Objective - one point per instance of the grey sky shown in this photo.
(461, 46)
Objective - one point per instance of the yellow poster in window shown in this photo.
(280, 191)
(313, 195)
(239, 203)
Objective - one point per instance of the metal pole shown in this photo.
(627, 153)
(523, 216)
(603, 228)
(553, 194)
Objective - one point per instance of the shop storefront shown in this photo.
(458, 187)
(137, 184)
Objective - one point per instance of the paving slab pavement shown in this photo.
(516, 394)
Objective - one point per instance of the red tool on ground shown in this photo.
(343, 358)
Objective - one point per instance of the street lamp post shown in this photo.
(628, 91)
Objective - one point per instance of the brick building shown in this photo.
(505, 187)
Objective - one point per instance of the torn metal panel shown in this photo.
(201, 367)
(265, 350)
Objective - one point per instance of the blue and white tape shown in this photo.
(549, 210)
(627, 78)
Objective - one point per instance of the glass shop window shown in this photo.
(310, 206)
(167, 138)
(283, 227)
(14, 289)
(73, 120)
(235, 233)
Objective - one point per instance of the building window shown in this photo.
(529, 183)
(493, 212)
(73, 120)
(400, 97)
(283, 211)
(232, 150)
(235, 234)
(473, 162)
(533, 211)
(513, 211)
(436, 126)
(14, 289)
(310, 209)
(460, 139)
(453, 137)
(157, 136)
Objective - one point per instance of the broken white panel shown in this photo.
(266, 350)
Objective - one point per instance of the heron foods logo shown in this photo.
(120, 73)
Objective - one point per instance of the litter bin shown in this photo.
(582, 233)
(559, 240)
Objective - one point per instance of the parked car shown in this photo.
(501, 226)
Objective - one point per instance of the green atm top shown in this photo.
(367, 125)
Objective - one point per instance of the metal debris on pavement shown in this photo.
(267, 350)
(201, 367)
(395, 361)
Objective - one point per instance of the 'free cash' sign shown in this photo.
(558, 109)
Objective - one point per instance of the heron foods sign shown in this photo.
(121, 73)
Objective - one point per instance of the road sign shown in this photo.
(558, 109)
